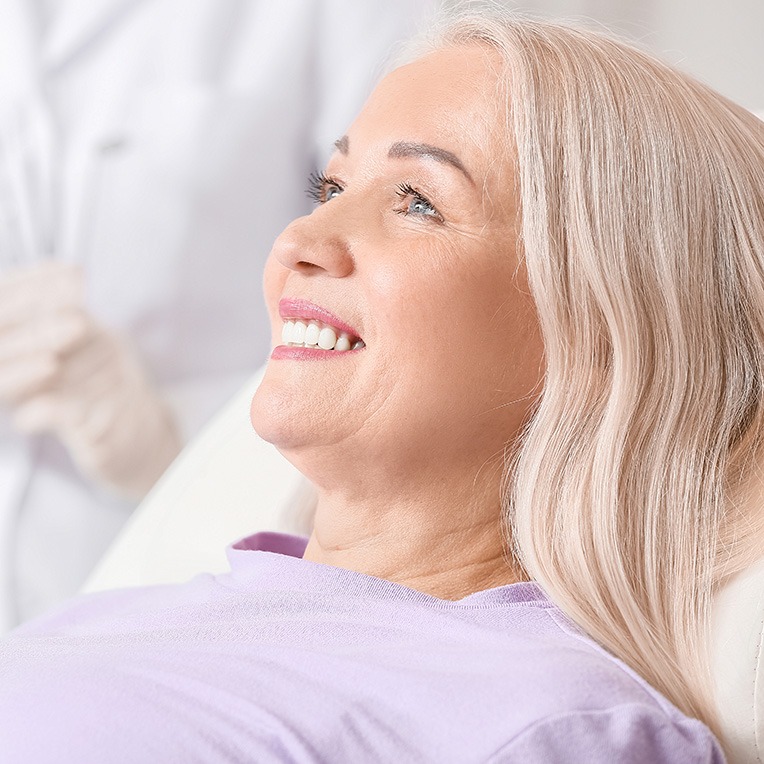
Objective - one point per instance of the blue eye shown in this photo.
(417, 203)
(419, 206)
(332, 190)
(322, 188)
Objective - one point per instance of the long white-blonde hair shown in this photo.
(642, 202)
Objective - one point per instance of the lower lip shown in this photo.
(295, 353)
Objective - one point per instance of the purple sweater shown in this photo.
(285, 660)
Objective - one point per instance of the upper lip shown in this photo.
(291, 308)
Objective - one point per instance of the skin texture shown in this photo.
(404, 440)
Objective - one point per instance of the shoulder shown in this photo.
(629, 734)
(593, 707)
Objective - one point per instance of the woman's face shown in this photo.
(412, 248)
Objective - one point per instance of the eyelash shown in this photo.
(318, 182)
(406, 190)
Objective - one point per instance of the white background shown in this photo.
(719, 41)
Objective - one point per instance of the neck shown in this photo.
(444, 545)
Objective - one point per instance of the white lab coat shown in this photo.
(184, 131)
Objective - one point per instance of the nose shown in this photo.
(306, 246)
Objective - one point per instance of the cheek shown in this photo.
(411, 289)
(464, 327)
(442, 301)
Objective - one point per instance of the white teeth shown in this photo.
(312, 334)
(298, 333)
(327, 339)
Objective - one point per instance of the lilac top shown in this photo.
(285, 660)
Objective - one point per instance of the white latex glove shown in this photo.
(62, 373)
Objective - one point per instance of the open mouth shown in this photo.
(311, 326)
(316, 334)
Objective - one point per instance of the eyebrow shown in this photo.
(404, 149)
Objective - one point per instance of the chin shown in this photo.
(280, 417)
(270, 415)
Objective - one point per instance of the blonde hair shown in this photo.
(642, 201)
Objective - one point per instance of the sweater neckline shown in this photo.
(267, 559)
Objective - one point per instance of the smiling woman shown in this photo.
(407, 248)
(518, 351)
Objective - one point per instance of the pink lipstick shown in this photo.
(339, 332)
(296, 309)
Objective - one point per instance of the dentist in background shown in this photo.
(150, 150)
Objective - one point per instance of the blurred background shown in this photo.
(721, 43)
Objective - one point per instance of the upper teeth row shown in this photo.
(311, 334)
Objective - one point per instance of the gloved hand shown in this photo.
(61, 372)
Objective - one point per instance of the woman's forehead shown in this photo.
(445, 99)
(446, 87)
